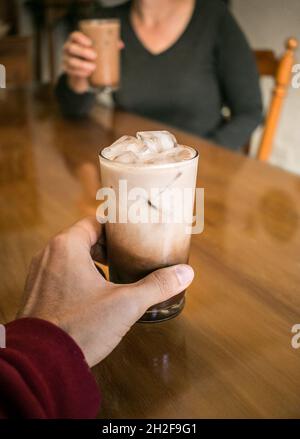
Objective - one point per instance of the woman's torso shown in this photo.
(180, 85)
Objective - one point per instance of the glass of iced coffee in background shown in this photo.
(105, 36)
(153, 160)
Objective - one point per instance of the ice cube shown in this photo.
(183, 154)
(123, 140)
(157, 141)
(126, 157)
(135, 146)
(124, 144)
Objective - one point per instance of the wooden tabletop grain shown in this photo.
(229, 353)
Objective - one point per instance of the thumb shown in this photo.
(162, 284)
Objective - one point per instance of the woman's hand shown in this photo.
(65, 288)
(79, 61)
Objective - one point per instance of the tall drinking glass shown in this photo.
(105, 36)
(135, 249)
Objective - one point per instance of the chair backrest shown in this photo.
(281, 70)
(267, 63)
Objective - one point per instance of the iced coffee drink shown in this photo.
(154, 180)
(105, 36)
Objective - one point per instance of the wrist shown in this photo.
(78, 85)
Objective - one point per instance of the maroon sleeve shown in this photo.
(43, 374)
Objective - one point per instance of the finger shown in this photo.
(80, 38)
(76, 63)
(83, 52)
(121, 45)
(99, 251)
(78, 72)
(161, 285)
(86, 232)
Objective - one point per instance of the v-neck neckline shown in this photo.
(176, 43)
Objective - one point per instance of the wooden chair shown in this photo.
(281, 70)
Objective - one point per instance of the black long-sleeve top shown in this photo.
(210, 66)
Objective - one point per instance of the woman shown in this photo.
(183, 61)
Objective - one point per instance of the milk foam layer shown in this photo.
(149, 147)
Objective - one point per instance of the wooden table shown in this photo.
(229, 353)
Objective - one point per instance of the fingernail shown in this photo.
(184, 273)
